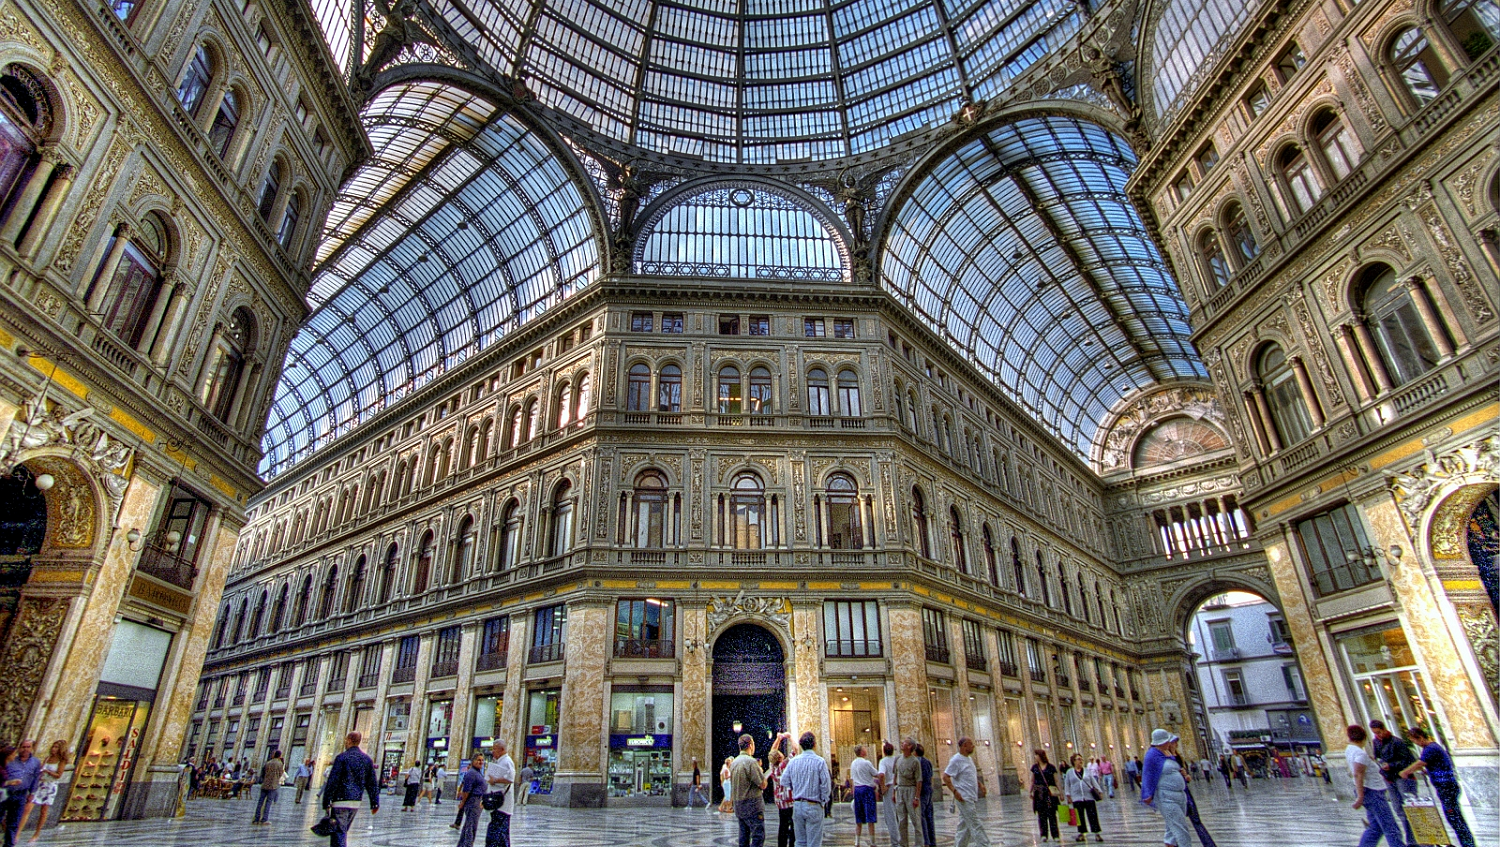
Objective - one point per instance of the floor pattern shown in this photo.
(1274, 812)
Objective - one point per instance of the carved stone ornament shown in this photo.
(39, 425)
(1479, 625)
(1416, 490)
(29, 647)
(1198, 402)
(770, 609)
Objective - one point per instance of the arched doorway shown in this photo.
(1483, 540)
(749, 690)
(23, 528)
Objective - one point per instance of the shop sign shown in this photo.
(640, 742)
(541, 729)
(539, 741)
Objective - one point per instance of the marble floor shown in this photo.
(1275, 812)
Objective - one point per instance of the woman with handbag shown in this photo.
(1045, 795)
(1083, 791)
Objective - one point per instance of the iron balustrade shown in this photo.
(644, 648)
(368, 680)
(936, 653)
(975, 663)
(547, 652)
(490, 661)
(1009, 669)
(400, 675)
(445, 668)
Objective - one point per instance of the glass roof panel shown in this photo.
(975, 248)
(486, 228)
(1188, 38)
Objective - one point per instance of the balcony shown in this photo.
(490, 661)
(202, 703)
(368, 680)
(1008, 668)
(851, 648)
(283, 691)
(336, 683)
(1064, 681)
(219, 700)
(1038, 676)
(308, 688)
(975, 663)
(1227, 654)
(546, 653)
(400, 675)
(239, 699)
(1119, 692)
(1085, 685)
(158, 562)
(445, 668)
(644, 648)
(937, 653)
(260, 696)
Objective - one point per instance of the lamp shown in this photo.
(133, 540)
(690, 644)
(738, 727)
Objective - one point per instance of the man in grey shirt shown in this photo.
(908, 782)
(807, 777)
(746, 782)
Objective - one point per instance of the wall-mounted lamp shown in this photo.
(171, 540)
(1369, 555)
(133, 540)
(737, 726)
(690, 644)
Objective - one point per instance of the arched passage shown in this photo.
(749, 690)
(23, 527)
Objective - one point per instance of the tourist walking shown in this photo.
(428, 775)
(1241, 772)
(694, 792)
(747, 784)
(866, 783)
(471, 791)
(500, 799)
(1044, 794)
(1083, 791)
(1224, 771)
(961, 778)
(271, 774)
(727, 803)
(46, 787)
(1164, 788)
(783, 794)
(1370, 793)
(523, 785)
(1107, 776)
(413, 786)
(1132, 773)
(807, 778)
(350, 778)
(22, 772)
(304, 776)
(929, 825)
(908, 801)
(439, 777)
(1434, 759)
(1394, 755)
(888, 792)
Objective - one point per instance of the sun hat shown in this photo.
(1160, 737)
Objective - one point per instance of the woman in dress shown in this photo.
(727, 805)
(1044, 795)
(46, 786)
(1164, 787)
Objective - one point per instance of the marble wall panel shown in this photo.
(909, 672)
(581, 723)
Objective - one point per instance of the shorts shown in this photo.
(864, 804)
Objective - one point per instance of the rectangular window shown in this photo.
(445, 652)
(252, 731)
(406, 659)
(813, 328)
(1010, 662)
(494, 643)
(300, 728)
(672, 322)
(1207, 157)
(974, 656)
(1258, 100)
(1290, 62)
(1281, 634)
(934, 635)
(547, 634)
(640, 321)
(760, 324)
(852, 627)
(1293, 679)
(729, 324)
(1222, 635)
(338, 670)
(643, 629)
(369, 667)
(232, 733)
(1335, 543)
(1183, 187)
(1034, 663)
(1234, 684)
(843, 327)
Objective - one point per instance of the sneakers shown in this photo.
(1098, 837)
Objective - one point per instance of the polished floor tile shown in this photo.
(1273, 812)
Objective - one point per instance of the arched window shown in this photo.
(1211, 254)
(260, 614)
(23, 124)
(1301, 183)
(649, 510)
(1417, 64)
(1015, 563)
(990, 563)
(585, 399)
(330, 590)
(1283, 396)
(845, 529)
(669, 390)
(1239, 235)
(287, 231)
(1338, 145)
(562, 519)
(760, 392)
(1099, 599)
(131, 280)
(914, 412)
(919, 523)
(304, 600)
(1062, 588)
(424, 564)
(510, 536)
(533, 419)
(564, 405)
(517, 422)
(729, 390)
(817, 392)
(956, 538)
(356, 592)
(899, 398)
(849, 405)
(638, 388)
(747, 513)
(463, 563)
(278, 611)
(1475, 24)
(239, 622)
(388, 572)
(225, 364)
(270, 191)
(196, 79)
(482, 444)
(1041, 578)
(221, 134)
(1404, 344)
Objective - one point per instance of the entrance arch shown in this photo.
(749, 690)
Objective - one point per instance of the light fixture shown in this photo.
(690, 644)
(171, 540)
(44, 482)
(133, 539)
(737, 726)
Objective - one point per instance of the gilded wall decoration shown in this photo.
(1465, 183)
(775, 610)
(38, 425)
(1468, 287)
(1199, 403)
(93, 202)
(17, 29)
(1362, 97)
(799, 501)
(1389, 239)
(29, 646)
(1319, 355)
(1478, 622)
(1416, 488)
(1333, 286)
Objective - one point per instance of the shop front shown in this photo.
(393, 739)
(487, 711)
(640, 742)
(439, 727)
(541, 737)
(856, 715)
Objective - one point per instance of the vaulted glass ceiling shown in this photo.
(1023, 250)
(750, 81)
(462, 225)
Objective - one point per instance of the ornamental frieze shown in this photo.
(1416, 489)
(776, 610)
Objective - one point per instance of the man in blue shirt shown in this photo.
(20, 780)
(807, 775)
(471, 791)
(304, 776)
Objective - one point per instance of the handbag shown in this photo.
(1098, 795)
(494, 800)
(326, 826)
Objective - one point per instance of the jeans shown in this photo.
(10, 816)
(1109, 784)
(497, 834)
(786, 836)
(263, 804)
(696, 792)
(1447, 793)
(929, 827)
(807, 823)
(970, 832)
(1395, 793)
(343, 819)
(1380, 821)
(469, 811)
(752, 819)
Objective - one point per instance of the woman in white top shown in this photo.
(46, 786)
(413, 786)
(1371, 788)
(1083, 791)
(727, 805)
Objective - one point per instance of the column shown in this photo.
(1344, 338)
(580, 738)
(1371, 355)
(1267, 424)
(1255, 426)
(1445, 311)
(30, 193)
(171, 322)
(691, 738)
(416, 726)
(62, 182)
(107, 271)
(248, 373)
(1429, 316)
(908, 671)
(158, 311)
(459, 734)
(1309, 396)
(198, 384)
(1490, 241)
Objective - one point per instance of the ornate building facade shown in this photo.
(163, 167)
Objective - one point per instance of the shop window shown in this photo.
(1211, 254)
(1300, 183)
(640, 742)
(669, 389)
(548, 632)
(644, 629)
(1402, 340)
(1389, 683)
(561, 537)
(730, 397)
(1475, 24)
(1416, 63)
(1335, 546)
(1288, 408)
(935, 635)
(849, 404)
(845, 528)
(852, 628)
(196, 79)
(817, 393)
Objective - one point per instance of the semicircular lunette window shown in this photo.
(741, 232)
(462, 226)
(1176, 439)
(1026, 255)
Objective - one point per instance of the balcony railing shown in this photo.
(644, 648)
(336, 683)
(202, 703)
(546, 652)
(1085, 685)
(1119, 692)
(260, 696)
(1135, 694)
(219, 700)
(283, 691)
(1227, 654)
(490, 662)
(1064, 681)
(239, 699)
(937, 653)
(445, 668)
(975, 663)
(166, 566)
(1238, 700)
(400, 675)
(846, 648)
(1038, 676)
(308, 688)
(368, 680)
(1009, 668)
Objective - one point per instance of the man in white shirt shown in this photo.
(866, 782)
(441, 777)
(500, 777)
(887, 779)
(1370, 792)
(962, 778)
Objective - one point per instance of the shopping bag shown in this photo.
(1426, 821)
(1065, 815)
